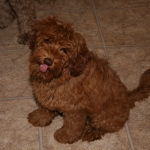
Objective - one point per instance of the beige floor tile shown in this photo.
(84, 22)
(14, 74)
(99, 51)
(114, 141)
(15, 131)
(8, 38)
(63, 5)
(121, 4)
(139, 124)
(125, 26)
(130, 63)
(8, 34)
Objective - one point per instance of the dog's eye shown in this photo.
(47, 41)
(64, 50)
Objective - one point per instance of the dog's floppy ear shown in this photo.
(80, 57)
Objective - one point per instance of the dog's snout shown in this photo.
(48, 61)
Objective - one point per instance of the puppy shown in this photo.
(68, 78)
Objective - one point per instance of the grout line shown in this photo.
(90, 46)
(69, 10)
(86, 9)
(106, 54)
(14, 50)
(39, 128)
(40, 138)
(123, 8)
(40, 133)
(16, 98)
(129, 136)
(135, 45)
(99, 28)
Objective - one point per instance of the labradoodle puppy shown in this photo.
(23, 11)
(68, 78)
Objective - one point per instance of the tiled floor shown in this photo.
(119, 30)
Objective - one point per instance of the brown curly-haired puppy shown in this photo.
(68, 78)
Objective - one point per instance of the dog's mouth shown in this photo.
(53, 69)
(47, 62)
(43, 68)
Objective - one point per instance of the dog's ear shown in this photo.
(80, 57)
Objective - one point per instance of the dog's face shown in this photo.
(55, 47)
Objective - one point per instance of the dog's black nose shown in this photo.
(48, 61)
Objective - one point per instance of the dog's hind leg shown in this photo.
(98, 125)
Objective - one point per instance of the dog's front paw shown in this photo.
(65, 136)
(40, 118)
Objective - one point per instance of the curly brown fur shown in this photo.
(68, 78)
(23, 11)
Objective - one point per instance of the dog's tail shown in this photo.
(142, 91)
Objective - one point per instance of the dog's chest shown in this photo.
(59, 98)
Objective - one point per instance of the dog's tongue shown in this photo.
(43, 68)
